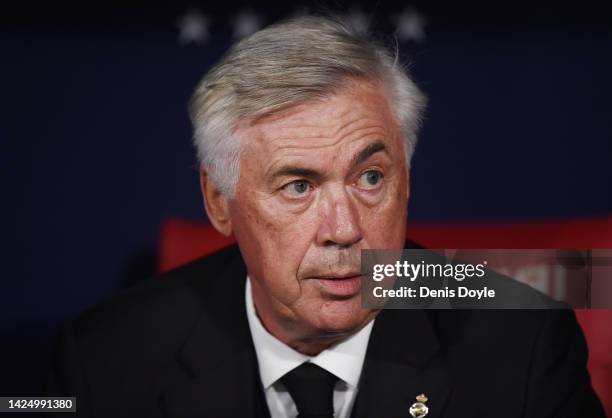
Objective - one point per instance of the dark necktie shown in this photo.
(312, 390)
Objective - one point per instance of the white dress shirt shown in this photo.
(275, 359)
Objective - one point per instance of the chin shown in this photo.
(342, 316)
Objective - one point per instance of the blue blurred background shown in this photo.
(96, 148)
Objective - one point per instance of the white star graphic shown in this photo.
(193, 28)
(245, 23)
(410, 26)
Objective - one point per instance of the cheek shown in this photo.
(384, 224)
(273, 242)
(286, 233)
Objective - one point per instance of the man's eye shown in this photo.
(370, 179)
(297, 188)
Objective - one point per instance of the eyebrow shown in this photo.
(361, 156)
(367, 152)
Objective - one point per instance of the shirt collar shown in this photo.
(275, 358)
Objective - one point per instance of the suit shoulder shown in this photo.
(504, 330)
(171, 300)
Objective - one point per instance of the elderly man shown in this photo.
(305, 131)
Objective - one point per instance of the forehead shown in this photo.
(358, 110)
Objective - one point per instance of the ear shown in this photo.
(215, 204)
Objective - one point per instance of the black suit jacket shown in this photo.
(179, 346)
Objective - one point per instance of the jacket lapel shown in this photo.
(218, 385)
(402, 362)
(217, 373)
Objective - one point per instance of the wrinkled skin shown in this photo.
(318, 182)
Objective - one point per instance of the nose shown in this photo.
(340, 223)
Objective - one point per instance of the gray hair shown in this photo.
(285, 64)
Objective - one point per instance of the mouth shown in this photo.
(341, 285)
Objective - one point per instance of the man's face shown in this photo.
(318, 183)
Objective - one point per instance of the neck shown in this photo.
(306, 341)
(291, 331)
(312, 346)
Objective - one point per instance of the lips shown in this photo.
(340, 284)
(336, 276)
